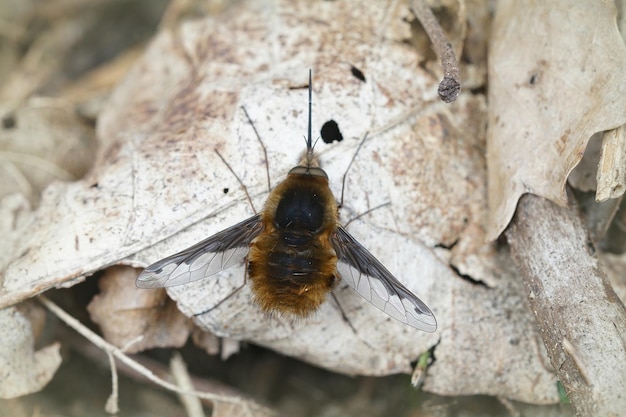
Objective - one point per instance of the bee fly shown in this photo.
(296, 252)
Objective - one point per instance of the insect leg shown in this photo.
(366, 212)
(343, 184)
(343, 313)
(267, 165)
(245, 189)
(345, 174)
(345, 318)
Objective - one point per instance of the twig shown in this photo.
(192, 404)
(450, 86)
(509, 406)
(112, 405)
(122, 357)
(611, 175)
(581, 319)
(77, 343)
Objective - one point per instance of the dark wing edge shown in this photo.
(216, 253)
(372, 281)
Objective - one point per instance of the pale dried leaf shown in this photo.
(136, 320)
(46, 141)
(551, 88)
(157, 177)
(207, 341)
(583, 176)
(24, 370)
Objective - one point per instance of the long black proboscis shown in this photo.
(309, 142)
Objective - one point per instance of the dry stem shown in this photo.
(122, 357)
(450, 86)
(581, 319)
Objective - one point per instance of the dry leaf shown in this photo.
(158, 177)
(583, 176)
(136, 320)
(551, 88)
(44, 141)
(24, 370)
(207, 341)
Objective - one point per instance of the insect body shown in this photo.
(296, 253)
(292, 264)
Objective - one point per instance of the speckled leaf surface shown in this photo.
(556, 77)
(158, 187)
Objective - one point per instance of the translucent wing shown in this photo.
(376, 284)
(220, 251)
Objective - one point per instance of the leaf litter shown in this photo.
(157, 187)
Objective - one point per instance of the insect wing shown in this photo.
(220, 251)
(363, 272)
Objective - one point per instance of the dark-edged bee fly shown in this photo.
(296, 252)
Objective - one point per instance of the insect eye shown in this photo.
(317, 172)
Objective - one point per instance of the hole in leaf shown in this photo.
(330, 132)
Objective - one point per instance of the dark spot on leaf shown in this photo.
(330, 132)
(357, 73)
